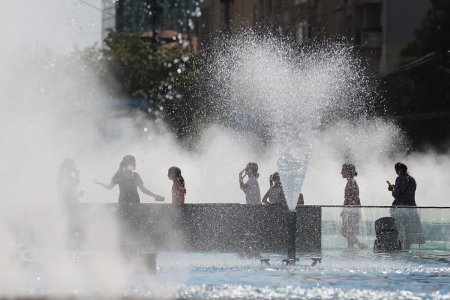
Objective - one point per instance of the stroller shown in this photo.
(386, 231)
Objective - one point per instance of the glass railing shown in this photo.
(427, 227)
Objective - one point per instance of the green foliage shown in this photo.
(434, 33)
(167, 78)
(184, 109)
(136, 68)
(421, 86)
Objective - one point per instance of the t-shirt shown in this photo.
(351, 195)
(274, 194)
(178, 192)
(404, 191)
(252, 194)
(128, 188)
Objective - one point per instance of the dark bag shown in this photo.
(386, 232)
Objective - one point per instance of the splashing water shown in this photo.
(288, 94)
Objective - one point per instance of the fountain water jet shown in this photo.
(289, 93)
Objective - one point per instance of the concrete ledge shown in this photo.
(215, 227)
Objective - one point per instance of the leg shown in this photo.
(361, 245)
(406, 245)
(351, 241)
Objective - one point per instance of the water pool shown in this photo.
(341, 274)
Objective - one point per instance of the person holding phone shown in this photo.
(390, 186)
(251, 186)
(407, 217)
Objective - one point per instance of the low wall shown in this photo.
(216, 227)
(200, 227)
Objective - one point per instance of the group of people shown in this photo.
(128, 181)
(403, 192)
(126, 178)
(274, 195)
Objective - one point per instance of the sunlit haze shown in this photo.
(53, 108)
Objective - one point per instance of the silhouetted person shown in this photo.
(404, 190)
(178, 186)
(351, 216)
(301, 200)
(407, 219)
(67, 183)
(275, 194)
(128, 181)
(251, 186)
(67, 188)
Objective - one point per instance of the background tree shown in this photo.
(434, 33)
(420, 85)
(167, 78)
(417, 93)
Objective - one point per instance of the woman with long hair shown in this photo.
(178, 186)
(129, 181)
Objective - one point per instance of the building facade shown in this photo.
(379, 28)
(164, 21)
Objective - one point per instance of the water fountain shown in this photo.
(289, 95)
(291, 92)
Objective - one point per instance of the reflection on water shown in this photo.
(356, 274)
(342, 274)
(434, 221)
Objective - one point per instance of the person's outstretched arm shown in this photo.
(106, 186)
(150, 193)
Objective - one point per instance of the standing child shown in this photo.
(251, 187)
(275, 194)
(178, 186)
(351, 216)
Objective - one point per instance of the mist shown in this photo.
(53, 108)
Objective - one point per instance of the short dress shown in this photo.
(252, 193)
(351, 216)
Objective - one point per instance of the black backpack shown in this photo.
(386, 231)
